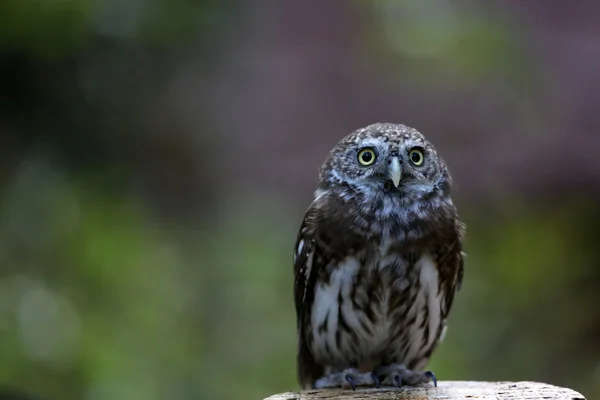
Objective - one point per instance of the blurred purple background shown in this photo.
(157, 158)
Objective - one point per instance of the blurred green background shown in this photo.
(156, 158)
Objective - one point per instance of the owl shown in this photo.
(377, 261)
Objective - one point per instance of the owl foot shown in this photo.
(348, 378)
(398, 375)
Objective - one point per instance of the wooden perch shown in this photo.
(450, 390)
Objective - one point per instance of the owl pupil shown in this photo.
(416, 157)
(367, 156)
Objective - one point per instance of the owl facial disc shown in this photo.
(395, 170)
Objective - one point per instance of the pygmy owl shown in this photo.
(377, 262)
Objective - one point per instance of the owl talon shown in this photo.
(348, 378)
(432, 377)
(350, 381)
(398, 381)
(398, 375)
(375, 380)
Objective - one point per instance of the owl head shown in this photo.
(385, 158)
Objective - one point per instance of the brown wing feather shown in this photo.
(304, 286)
(450, 263)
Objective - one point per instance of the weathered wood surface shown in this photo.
(449, 390)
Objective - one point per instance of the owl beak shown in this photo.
(395, 171)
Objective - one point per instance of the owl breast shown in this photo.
(384, 310)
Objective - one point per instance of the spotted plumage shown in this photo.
(377, 262)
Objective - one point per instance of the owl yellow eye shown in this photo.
(416, 156)
(367, 156)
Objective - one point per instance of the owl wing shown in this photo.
(303, 262)
(305, 274)
(321, 240)
(450, 262)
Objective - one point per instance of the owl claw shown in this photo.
(350, 381)
(375, 380)
(431, 376)
(398, 375)
(350, 377)
(398, 381)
